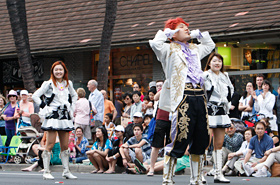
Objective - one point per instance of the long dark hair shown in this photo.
(212, 55)
(105, 135)
(244, 94)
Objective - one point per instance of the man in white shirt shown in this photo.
(97, 99)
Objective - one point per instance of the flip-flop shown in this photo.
(100, 172)
(140, 165)
(150, 174)
(113, 172)
(95, 171)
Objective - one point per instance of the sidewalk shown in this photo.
(80, 168)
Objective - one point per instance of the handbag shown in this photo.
(91, 115)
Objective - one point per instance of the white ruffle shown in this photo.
(55, 124)
(219, 121)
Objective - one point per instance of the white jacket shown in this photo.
(175, 66)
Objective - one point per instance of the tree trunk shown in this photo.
(17, 13)
(105, 47)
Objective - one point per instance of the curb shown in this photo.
(81, 168)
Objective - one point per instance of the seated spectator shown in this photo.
(273, 156)
(260, 143)
(81, 144)
(109, 125)
(235, 159)
(114, 156)
(244, 104)
(232, 142)
(137, 149)
(137, 119)
(137, 106)
(97, 154)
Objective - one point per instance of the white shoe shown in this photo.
(48, 176)
(64, 155)
(260, 173)
(248, 170)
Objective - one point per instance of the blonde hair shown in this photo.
(81, 92)
(4, 99)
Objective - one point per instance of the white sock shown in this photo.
(264, 169)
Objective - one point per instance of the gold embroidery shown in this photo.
(177, 80)
(174, 47)
(183, 122)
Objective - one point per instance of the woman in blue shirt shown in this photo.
(97, 154)
(81, 145)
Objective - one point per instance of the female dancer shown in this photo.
(57, 109)
(219, 91)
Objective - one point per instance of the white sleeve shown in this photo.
(39, 92)
(206, 46)
(159, 46)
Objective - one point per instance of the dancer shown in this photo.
(57, 109)
(219, 91)
(182, 94)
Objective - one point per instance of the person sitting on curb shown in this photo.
(137, 149)
(99, 150)
(260, 143)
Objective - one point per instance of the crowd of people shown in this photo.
(188, 114)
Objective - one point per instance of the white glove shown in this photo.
(195, 34)
(169, 33)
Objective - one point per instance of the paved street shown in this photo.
(35, 178)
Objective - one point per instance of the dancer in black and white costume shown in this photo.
(57, 111)
(219, 92)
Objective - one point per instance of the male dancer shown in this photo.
(182, 94)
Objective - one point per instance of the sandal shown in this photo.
(128, 171)
(112, 172)
(140, 165)
(94, 171)
(150, 174)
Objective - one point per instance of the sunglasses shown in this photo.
(12, 96)
(127, 99)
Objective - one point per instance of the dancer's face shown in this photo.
(216, 64)
(58, 72)
(183, 35)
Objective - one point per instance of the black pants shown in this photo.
(190, 125)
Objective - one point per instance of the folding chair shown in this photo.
(12, 149)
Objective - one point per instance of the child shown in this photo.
(137, 106)
(109, 125)
(71, 145)
(137, 149)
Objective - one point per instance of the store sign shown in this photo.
(133, 62)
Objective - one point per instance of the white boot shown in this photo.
(168, 168)
(64, 155)
(196, 169)
(203, 159)
(219, 161)
(214, 155)
(46, 161)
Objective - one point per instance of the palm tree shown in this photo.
(105, 47)
(17, 13)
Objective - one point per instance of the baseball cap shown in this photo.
(119, 128)
(138, 114)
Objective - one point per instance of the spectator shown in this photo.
(109, 125)
(233, 111)
(137, 119)
(97, 100)
(273, 155)
(108, 106)
(234, 156)
(147, 119)
(145, 108)
(149, 109)
(99, 150)
(137, 106)
(81, 113)
(260, 143)
(10, 116)
(128, 103)
(81, 144)
(264, 104)
(119, 108)
(2, 109)
(232, 142)
(26, 109)
(269, 132)
(114, 156)
(137, 149)
(244, 104)
(152, 84)
(71, 146)
(159, 85)
(137, 87)
(36, 107)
